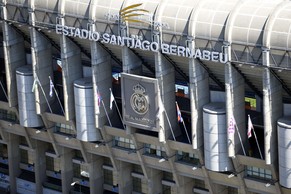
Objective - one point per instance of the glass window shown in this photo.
(136, 184)
(167, 176)
(137, 169)
(53, 164)
(65, 129)
(123, 143)
(108, 177)
(166, 189)
(8, 116)
(258, 173)
(188, 158)
(155, 150)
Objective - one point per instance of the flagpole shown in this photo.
(117, 109)
(58, 97)
(184, 127)
(44, 94)
(256, 140)
(106, 113)
(4, 90)
(240, 139)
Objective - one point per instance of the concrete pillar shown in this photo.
(66, 169)
(155, 181)
(42, 66)
(165, 74)
(186, 186)
(102, 79)
(272, 109)
(72, 70)
(124, 178)
(13, 160)
(96, 174)
(40, 164)
(235, 107)
(199, 96)
(220, 189)
(14, 56)
(235, 104)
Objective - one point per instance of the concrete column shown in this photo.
(130, 62)
(102, 79)
(165, 74)
(235, 107)
(42, 66)
(124, 178)
(14, 56)
(13, 160)
(186, 186)
(96, 174)
(66, 169)
(220, 189)
(40, 164)
(72, 70)
(199, 96)
(272, 109)
(155, 181)
(235, 104)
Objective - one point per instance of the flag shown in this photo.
(111, 99)
(231, 125)
(98, 99)
(250, 127)
(180, 118)
(51, 87)
(34, 84)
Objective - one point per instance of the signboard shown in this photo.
(140, 101)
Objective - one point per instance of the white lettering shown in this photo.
(214, 56)
(198, 54)
(113, 40)
(59, 29)
(181, 51)
(154, 46)
(173, 49)
(84, 34)
(106, 38)
(142, 44)
(145, 45)
(77, 33)
(138, 44)
(165, 48)
(206, 55)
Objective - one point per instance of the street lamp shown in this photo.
(77, 182)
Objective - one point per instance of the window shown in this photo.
(65, 129)
(136, 184)
(26, 156)
(137, 169)
(166, 189)
(8, 116)
(188, 158)
(81, 171)
(123, 143)
(155, 150)
(167, 176)
(108, 177)
(232, 190)
(53, 164)
(258, 173)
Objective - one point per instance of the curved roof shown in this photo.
(251, 22)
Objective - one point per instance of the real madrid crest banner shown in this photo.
(140, 101)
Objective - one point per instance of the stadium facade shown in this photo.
(145, 96)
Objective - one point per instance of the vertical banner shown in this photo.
(140, 101)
